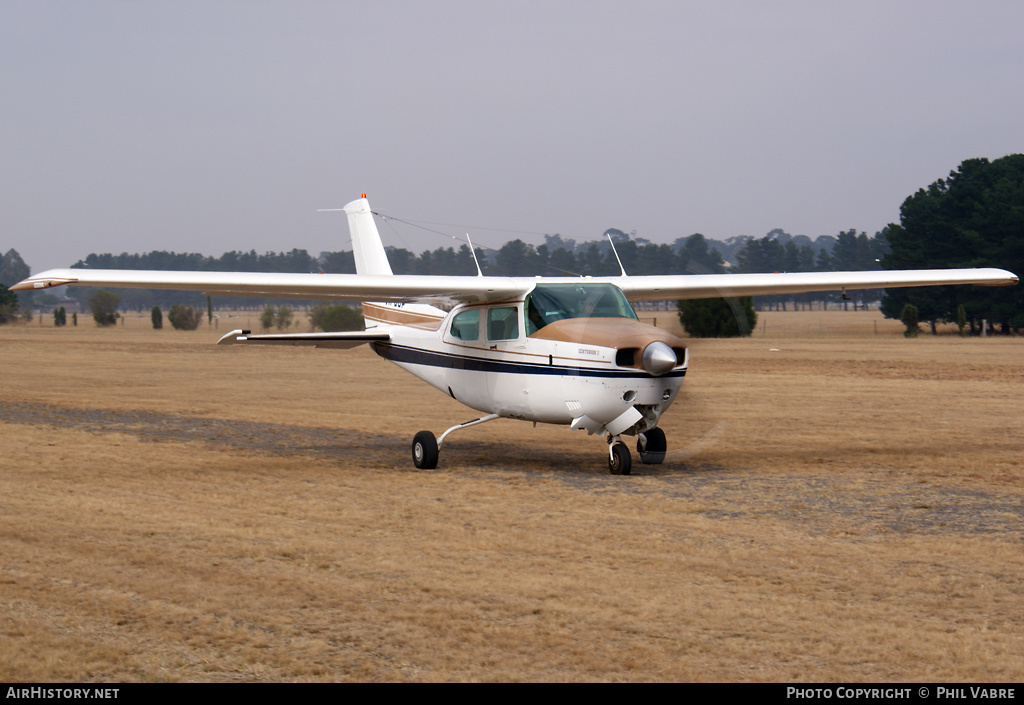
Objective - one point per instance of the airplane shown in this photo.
(555, 350)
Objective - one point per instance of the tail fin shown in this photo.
(370, 257)
(367, 248)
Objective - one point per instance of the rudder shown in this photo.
(367, 248)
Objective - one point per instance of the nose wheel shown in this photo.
(619, 460)
(650, 446)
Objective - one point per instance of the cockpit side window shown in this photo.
(466, 325)
(502, 323)
(548, 303)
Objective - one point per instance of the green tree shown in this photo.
(402, 261)
(974, 218)
(8, 305)
(853, 252)
(697, 257)
(184, 317)
(718, 318)
(12, 268)
(338, 262)
(283, 317)
(516, 259)
(335, 318)
(909, 318)
(267, 317)
(157, 316)
(104, 305)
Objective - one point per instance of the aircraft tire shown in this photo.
(654, 453)
(424, 450)
(620, 462)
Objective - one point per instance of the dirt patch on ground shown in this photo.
(818, 503)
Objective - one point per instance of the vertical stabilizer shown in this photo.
(368, 252)
(367, 248)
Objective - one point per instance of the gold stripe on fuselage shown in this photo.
(397, 316)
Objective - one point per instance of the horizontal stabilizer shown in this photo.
(341, 339)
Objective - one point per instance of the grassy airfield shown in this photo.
(839, 504)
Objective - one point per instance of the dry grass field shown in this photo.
(839, 504)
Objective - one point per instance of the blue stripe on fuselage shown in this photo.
(418, 356)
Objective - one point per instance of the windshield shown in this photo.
(548, 303)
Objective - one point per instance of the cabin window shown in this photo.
(466, 325)
(548, 303)
(502, 323)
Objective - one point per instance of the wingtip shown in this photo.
(232, 337)
(45, 280)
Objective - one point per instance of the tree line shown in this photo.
(973, 218)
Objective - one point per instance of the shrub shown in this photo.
(718, 318)
(184, 317)
(104, 307)
(8, 305)
(267, 317)
(283, 319)
(157, 316)
(336, 318)
(961, 319)
(909, 318)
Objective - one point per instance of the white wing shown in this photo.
(704, 286)
(431, 289)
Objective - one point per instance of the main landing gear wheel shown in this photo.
(619, 462)
(424, 450)
(653, 451)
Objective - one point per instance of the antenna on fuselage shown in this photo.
(472, 251)
(615, 252)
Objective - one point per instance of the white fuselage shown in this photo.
(505, 372)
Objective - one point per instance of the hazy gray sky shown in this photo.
(213, 126)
